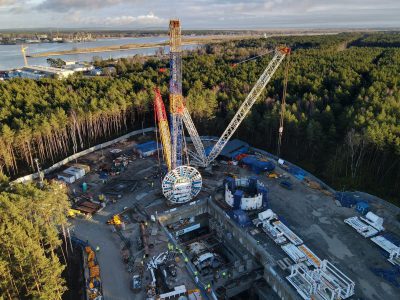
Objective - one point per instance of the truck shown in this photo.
(286, 184)
(136, 283)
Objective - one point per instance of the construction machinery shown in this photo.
(392, 250)
(183, 182)
(325, 282)
(252, 97)
(136, 285)
(115, 220)
(94, 287)
(175, 93)
(72, 213)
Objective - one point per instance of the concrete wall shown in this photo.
(277, 283)
(82, 153)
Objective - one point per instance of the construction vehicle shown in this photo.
(194, 294)
(136, 283)
(72, 213)
(115, 220)
(94, 288)
(272, 175)
(286, 184)
(207, 259)
(228, 174)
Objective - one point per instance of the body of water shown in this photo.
(11, 57)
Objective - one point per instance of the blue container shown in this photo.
(286, 184)
(346, 199)
(237, 152)
(237, 199)
(103, 176)
(296, 171)
(207, 150)
(264, 193)
(362, 207)
(231, 183)
(253, 184)
(240, 217)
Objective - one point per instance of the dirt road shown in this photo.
(115, 278)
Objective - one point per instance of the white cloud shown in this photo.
(286, 7)
(57, 5)
(148, 19)
(198, 13)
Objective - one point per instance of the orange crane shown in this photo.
(163, 128)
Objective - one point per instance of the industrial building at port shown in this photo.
(39, 72)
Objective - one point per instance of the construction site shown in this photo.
(170, 214)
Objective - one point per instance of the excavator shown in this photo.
(115, 220)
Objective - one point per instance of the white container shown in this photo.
(68, 178)
(374, 220)
(266, 215)
(77, 172)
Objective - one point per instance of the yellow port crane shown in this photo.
(23, 51)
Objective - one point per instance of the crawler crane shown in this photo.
(183, 182)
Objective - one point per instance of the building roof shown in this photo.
(233, 147)
(148, 147)
(47, 70)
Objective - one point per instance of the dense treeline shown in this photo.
(387, 39)
(49, 118)
(341, 118)
(30, 222)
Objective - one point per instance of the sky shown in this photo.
(199, 14)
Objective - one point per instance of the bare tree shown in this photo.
(356, 144)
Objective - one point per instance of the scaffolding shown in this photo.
(392, 250)
(290, 235)
(364, 229)
(326, 282)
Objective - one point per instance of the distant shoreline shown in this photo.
(126, 47)
(99, 49)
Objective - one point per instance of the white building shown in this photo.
(78, 67)
(37, 72)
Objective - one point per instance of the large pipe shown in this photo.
(145, 238)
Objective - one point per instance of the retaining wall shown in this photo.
(277, 283)
(82, 153)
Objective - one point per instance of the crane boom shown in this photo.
(175, 97)
(194, 135)
(244, 109)
(163, 127)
